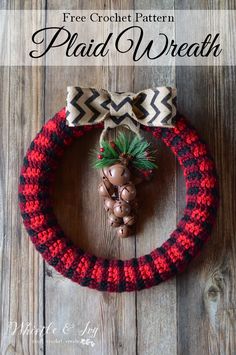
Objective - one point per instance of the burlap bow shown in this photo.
(151, 107)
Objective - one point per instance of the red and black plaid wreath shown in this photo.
(173, 256)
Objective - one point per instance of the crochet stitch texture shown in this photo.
(115, 275)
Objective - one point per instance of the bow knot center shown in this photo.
(121, 104)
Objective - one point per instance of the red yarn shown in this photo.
(117, 275)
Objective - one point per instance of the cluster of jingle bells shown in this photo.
(118, 191)
(119, 195)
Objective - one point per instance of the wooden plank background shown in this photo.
(194, 313)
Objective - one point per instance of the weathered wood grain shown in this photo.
(81, 214)
(21, 276)
(206, 292)
(21, 269)
(156, 308)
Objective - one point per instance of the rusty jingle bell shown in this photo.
(123, 231)
(128, 192)
(113, 220)
(109, 204)
(121, 209)
(118, 174)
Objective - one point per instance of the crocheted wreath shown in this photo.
(117, 275)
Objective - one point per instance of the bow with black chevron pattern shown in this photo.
(151, 107)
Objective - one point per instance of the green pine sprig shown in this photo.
(137, 149)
